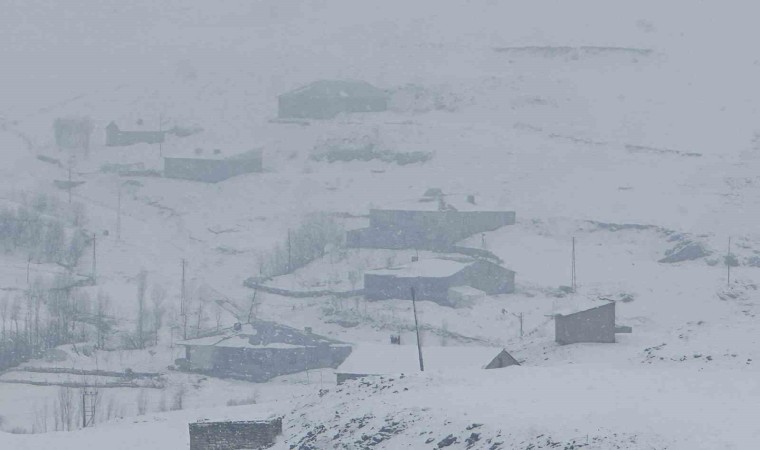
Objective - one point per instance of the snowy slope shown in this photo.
(574, 114)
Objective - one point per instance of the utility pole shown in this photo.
(290, 260)
(182, 308)
(28, 265)
(118, 215)
(160, 130)
(573, 267)
(88, 410)
(728, 264)
(69, 184)
(94, 255)
(520, 316)
(417, 329)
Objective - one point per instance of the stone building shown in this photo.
(326, 99)
(252, 435)
(261, 351)
(213, 168)
(434, 223)
(374, 359)
(435, 279)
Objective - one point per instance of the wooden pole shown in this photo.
(94, 255)
(118, 215)
(573, 267)
(84, 408)
(160, 130)
(290, 261)
(417, 329)
(69, 184)
(182, 308)
(728, 264)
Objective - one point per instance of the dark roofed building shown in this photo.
(326, 99)
(430, 223)
(261, 351)
(433, 279)
(213, 168)
(595, 324)
(115, 137)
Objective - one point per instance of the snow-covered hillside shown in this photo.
(631, 128)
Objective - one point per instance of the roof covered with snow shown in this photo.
(338, 88)
(576, 303)
(209, 145)
(445, 202)
(262, 334)
(377, 359)
(434, 267)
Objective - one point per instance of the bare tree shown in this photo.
(157, 296)
(179, 398)
(142, 402)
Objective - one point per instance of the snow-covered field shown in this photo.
(628, 127)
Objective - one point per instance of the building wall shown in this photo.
(200, 357)
(383, 287)
(428, 230)
(234, 435)
(210, 170)
(488, 277)
(593, 325)
(260, 365)
(308, 107)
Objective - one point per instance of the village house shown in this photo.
(73, 133)
(585, 322)
(213, 166)
(437, 280)
(260, 351)
(326, 99)
(375, 359)
(435, 222)
(115, 137)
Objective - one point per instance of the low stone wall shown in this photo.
(251, 435)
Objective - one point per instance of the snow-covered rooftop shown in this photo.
(434, 267)
(376, 359)
(261, 334)
(446, 202)
(338, 88)
(576, 303)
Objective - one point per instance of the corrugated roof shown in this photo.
(262, 334)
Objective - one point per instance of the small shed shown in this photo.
(326, 99)
(374, 359)
(578, 322)
(434, 222)
(433, 279)
(213, 168)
